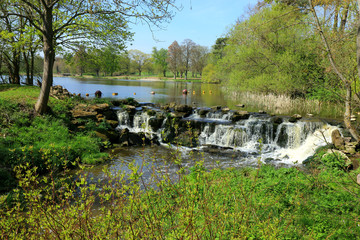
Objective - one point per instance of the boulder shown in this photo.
(172, 105)
(184, 109)
(112, 123)
(215, 108)
(78, 113)
(203, 112)
(130, 109)
(156, 122)
(277, 120)
(240, 115)
(151, 112)
(337, 139)
(99, 108)
(225, 110)
(110, 136)
(295, 118)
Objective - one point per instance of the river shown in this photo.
(222, 143)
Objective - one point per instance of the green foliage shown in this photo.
(43, 140)
(263, 54)
(160, 57)
(264, 203)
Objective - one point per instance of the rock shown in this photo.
(225, 110)
(110, 115)
(151, 112)
(277, 120)
(295, 118)
(59, 92)
(184, 109)
(128, 138)
(156, 122)
(128, 101)
(130, 109)
(107, 135)
(262, 112)
(77, 113)
(240, 115)
(337, 139)
(215, 108)
(203, 112)
(168, 136)
(99, 108)
(240, 105)
(112, 123)
(98, 94)
(358, 179)
(310, 115)
(172, 105)
(100, 117)
(177, 115)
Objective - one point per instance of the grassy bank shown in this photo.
(142, 77)
(264, 203)
(41, 140)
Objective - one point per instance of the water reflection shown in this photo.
(199, 94)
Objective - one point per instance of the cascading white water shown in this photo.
(286, 142)
(123, 119)
(299, 153)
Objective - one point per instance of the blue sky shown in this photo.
(202, 21)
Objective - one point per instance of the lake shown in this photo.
(199, 94)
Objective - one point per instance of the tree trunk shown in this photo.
(344, 17)
(49, 56)
(27, 66)
(336, 18)
(32, 65)
(346, 82)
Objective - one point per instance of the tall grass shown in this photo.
(285, 105)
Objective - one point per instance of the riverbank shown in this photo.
(318, 201)
(133, 77)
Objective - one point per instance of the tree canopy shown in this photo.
(63, 23)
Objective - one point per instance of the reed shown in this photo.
(285, 105)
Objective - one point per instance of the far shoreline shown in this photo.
(132, 77)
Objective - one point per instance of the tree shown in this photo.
(109, 59)
(11, 35)
(199, 58)
(138, 60)
(160, 57)
(187, 48)
(174, 58)
(218, 48)
(347, 83)
(124, 63)
(94, 60)
(63, 22)
(80, 59)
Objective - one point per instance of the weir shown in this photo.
(257, 137)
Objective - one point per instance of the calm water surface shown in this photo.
(200, 94)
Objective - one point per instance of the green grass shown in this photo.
(43, 140)
(264, 203)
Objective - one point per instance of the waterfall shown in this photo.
(284, 142)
